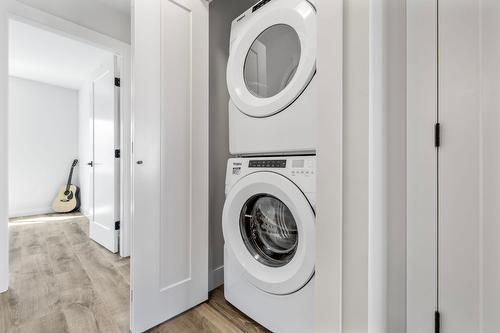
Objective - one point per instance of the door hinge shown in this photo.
(117, 82)
(437, 135)
(117, 225)
(437, 322)
(117, 153)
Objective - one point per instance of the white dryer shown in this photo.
(271, 79)
(269, 233)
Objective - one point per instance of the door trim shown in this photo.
(329, 206)
(421, 165)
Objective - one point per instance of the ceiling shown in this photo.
(44, 56)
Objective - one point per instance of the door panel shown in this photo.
(175, 141)
(105, 198)
(170, 242)
(463, 285)
(459, 173)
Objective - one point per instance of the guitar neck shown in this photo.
(70, 178)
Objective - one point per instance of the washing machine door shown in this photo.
(269, 226)
(273, 57)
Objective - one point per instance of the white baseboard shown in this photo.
(216, 278)
(86, 213)
(30, 212)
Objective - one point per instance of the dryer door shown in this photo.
(273, 57)
(268, 225)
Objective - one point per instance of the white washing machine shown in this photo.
(269, 233)
(271, 79)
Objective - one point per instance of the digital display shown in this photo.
(267, 164)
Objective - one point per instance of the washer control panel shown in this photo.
(267, 164)
(299, 169)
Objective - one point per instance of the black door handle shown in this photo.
(140, 162)
(91, 163)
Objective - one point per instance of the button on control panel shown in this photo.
(281, 164)
(302, 168)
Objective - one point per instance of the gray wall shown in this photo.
(222, 13)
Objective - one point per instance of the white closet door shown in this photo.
(460, 219)
(170, 228)
(105, 182)
(454, 265)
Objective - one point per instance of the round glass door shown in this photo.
(269, 230)
(272, 61)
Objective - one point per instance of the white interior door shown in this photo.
(453, 229)
(170, 209)
(103, 227)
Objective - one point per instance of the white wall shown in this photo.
(490, 179)
(4, 232)
(43, 141)
(393, 43)
(92, 14)
(374, 167)
(356, 163)
(222, 13)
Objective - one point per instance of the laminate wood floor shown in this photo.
(61, 281)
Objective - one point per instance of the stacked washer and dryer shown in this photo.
(269, 213)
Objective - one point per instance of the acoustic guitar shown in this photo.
(68, 197)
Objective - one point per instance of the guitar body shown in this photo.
(68, 197)
(67, 202)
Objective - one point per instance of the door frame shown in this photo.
(29, 15)
(422, 167)
(328, 302)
